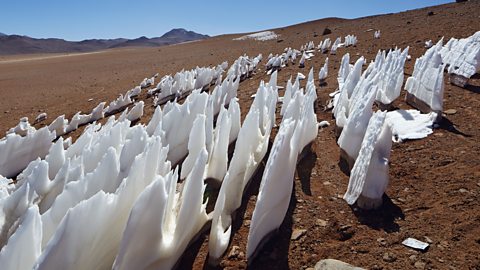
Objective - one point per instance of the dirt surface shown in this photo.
(434, 187)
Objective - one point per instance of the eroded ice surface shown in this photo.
(369, 176)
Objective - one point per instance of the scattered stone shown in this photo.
(241, 255)
(300, 201)
(382, 241)
(438, 134)
(389, 257)
(462, 190)
(331, 264)
(234, 253)
(297, 233)
(450, 111)
(321, 222)
(419, 265)
(326, 31)
(90, 99)
(428, 240)
(326, 183)
(430, 13)
(247, 223)
(413, 257)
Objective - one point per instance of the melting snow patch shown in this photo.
(410, 124)
(261, 36)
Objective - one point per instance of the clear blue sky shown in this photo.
(84, 19)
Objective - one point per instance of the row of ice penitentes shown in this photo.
(115, 198)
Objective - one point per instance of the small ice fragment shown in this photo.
(415, 244)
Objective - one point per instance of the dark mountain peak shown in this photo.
(2, 34)
(177, 33)
(142, 38)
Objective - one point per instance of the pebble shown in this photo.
(428, 240)
(247, 223)
(382, 241)
(462, 190)
(389, 257)
(297, 233)
(330, 264)
(450, 111)
(326, 183)
(234, 253)
(321, 222)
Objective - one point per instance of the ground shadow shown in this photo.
(187, 259)
(276, 247)
(344, 167)
(447, 125)
(304, 170)
(251, 190)
(473, 88)
(383, 218)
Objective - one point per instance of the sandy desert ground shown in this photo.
(434, 194)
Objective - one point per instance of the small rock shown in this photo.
(326, 31)
(300, 201)
(241, 255)
(389, 257)
(330, 264)
(438, 134)
(382, 241)
(431, 13)
(462, 190)
(413, 257)
(321, 222)
(234, 252)
(247, 223)
(419, 265)
(297, 233)
(326, 183)
(428, 240)
(450, 111)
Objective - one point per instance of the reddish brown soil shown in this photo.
(434, 182)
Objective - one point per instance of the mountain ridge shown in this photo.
(18, 44)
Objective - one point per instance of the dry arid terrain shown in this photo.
(434, 191)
